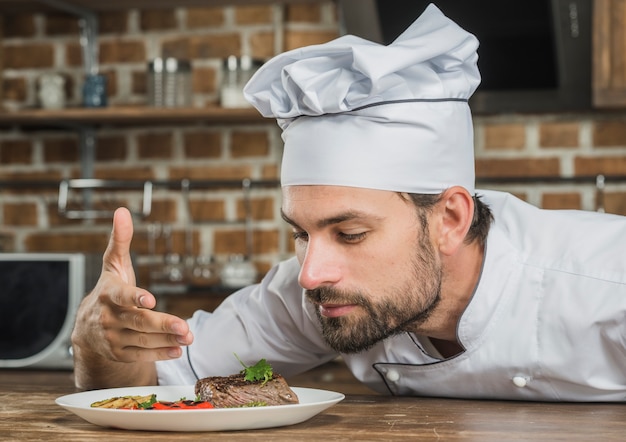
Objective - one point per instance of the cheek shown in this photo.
(300, 251)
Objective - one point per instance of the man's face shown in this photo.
(366, 262)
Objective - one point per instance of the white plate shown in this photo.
(312, 402)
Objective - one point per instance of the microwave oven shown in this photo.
(534, 56)
(39, 297)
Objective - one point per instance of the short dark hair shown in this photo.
(481, 221)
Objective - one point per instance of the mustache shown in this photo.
(328, 295)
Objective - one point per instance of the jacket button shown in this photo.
(392, 376)
(520, 381)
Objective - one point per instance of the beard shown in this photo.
(401, 308)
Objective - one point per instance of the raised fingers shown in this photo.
(117, 257)
(144, 335)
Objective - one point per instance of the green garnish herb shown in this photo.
(149, 403)
(254, 404)
(261, 371)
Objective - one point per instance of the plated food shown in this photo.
(254, 398)
(254, 386)
(311, 402)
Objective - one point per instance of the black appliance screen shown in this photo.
(517, 42)
(33, 305)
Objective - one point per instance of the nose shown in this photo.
(319, 267)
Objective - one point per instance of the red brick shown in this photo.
(61, 24)
(609, 133)
(163, 211)
(73, 54)
(270, 171)
(16, 152)
(122, 51)
(203, 144)
(252, 15)
(47, 175)
(19, 25)
(111, 148)
(298, 39)
(58, 150)
(262, 45)
(265, 242)
(28, 55)
(129, 173)
(155, 145)
(249, 144)
(207, 210)
(179, 47)
(304, 13)
(178, 243)
(226, 172)
(204, 80)
(112, 22)
(558, 135)
(615, 165)
(139, 82)
(205, 17)
(215, 46)
(66, 242)
(20, 214)
(615, 202)
(260, 208)
(234, 242)
(504, 136)
(157, 19)
(566, 200)
(530, 167)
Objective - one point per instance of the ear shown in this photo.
(456, 211)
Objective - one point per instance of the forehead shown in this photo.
(315, 202)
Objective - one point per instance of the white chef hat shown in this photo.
(360, 114)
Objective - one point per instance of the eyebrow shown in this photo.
(337, 219)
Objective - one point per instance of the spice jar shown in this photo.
(238, 272)
(169, 83)
(235, 74)
(95, 91)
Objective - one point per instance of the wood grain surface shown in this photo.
(28, 413)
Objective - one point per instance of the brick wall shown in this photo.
(514, 146)
(546, 148)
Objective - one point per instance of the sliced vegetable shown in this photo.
(126, 402)
(150, 403)
(180, 405)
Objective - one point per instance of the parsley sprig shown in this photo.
(261, 371)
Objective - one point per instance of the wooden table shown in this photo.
(28, 413)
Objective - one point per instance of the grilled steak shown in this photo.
(235, 391)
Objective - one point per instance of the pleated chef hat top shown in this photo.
(360, 114)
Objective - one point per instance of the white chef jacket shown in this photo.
(547, 320)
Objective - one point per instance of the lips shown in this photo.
(336, 310)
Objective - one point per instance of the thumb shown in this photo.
(117, 255)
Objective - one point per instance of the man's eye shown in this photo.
(300, 236)
(352, 237)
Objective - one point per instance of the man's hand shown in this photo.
(117, 336)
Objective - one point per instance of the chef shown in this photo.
(423, 284)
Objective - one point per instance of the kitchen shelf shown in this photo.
(129, 116)
(113, 5)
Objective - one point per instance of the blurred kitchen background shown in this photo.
(137, 103)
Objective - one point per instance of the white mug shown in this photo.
(52, 91)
